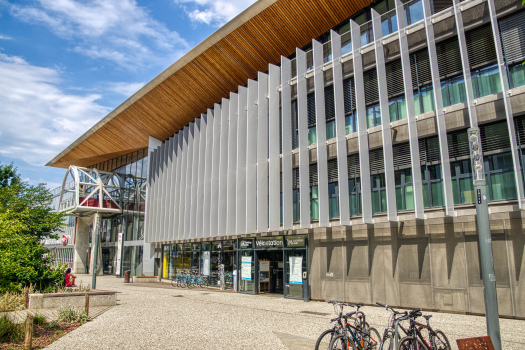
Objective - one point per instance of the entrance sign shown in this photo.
(298, 241)
(119, 253)
(296, 269)
(269, 242)
(246, 268)
(246, 244)
(206, 263)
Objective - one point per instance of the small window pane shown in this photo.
(416, 12)
(349, 124)
(503, 186)
(312, 135)
(467, 190)
(518, 75)
(314, 203)
(330, 130)
(438, 197)
(488, 82)
(409, 198)
(399, 198)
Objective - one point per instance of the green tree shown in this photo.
(25, 219)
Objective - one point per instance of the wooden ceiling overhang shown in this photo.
(206, 74)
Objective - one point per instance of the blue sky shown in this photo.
(65, 64)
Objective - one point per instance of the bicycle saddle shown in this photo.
(427, 316)
(360, 304)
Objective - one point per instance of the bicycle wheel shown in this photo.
(409, 343)
(441, 341)
(324, 340)
(339, 343)
(372, 339)
(387, 343)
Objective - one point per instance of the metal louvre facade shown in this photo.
(221, 174)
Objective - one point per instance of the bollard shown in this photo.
(86, 304)
(26, 299)
(29, 332)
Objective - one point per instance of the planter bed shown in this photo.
(77, 299)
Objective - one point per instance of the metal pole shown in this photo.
(95, 253)
(485, 240)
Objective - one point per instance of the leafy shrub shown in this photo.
(10, 331)
(72, 315)
(53, 324)
(11, 302)
(39, 320)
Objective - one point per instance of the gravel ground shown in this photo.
(155, 316)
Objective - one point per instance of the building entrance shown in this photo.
(274, 259)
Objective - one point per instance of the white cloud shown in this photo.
(37, 119)
(116, 30)
(5, 37)
(213, 12)
(125, 89)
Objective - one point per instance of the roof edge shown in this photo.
(211, 40)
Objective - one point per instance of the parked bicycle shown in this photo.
(324, 340)
(356, 336)
(415, 340)
(391, 334)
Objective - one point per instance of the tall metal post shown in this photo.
(95, 252)
(485, 239)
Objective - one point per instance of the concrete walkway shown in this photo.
(157, 316)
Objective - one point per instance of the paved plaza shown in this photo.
(158, 316)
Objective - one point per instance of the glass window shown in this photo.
(433, 192)
(314, 203)
(414, 13)
(296, 205)
(373, 116)
(378, 193)
(486, 81)
(333, 200)
(397, 109)
(453, 91)
(330, 130)
(404, 189)
(517, 75)
(312, 135)
(424, 99)
(354, 187)
(350, 124)
(502, 181)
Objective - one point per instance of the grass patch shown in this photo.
(10, 301)
(71, 315)
(39, 320)
(9, 331)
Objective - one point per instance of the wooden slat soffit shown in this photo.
(251, 41)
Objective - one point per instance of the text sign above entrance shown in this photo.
(269, 242)
(295, 241)
(246, 243)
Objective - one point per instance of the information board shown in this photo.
(206, 263)
(296, 269)
(264, 265)
(246, 268)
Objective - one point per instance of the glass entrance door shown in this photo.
(295, 263)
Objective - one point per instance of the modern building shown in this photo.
(326, 142)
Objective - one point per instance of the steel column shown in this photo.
(223, 168)
(189, 179)
(320, 125)
(440, 112)
(286, 122)
(182, 191)
(195, 178)
(215, 171)
(388, 154)
(206, 232)
(202, 164)
(251, 159)
(262, 152)
(508, 106)
(304, 153)
(340, 131)
(167, 201)
(178, 174)
(411, 113)
(242, 130)
(274, 161)
(362, 129)
(232, 164)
